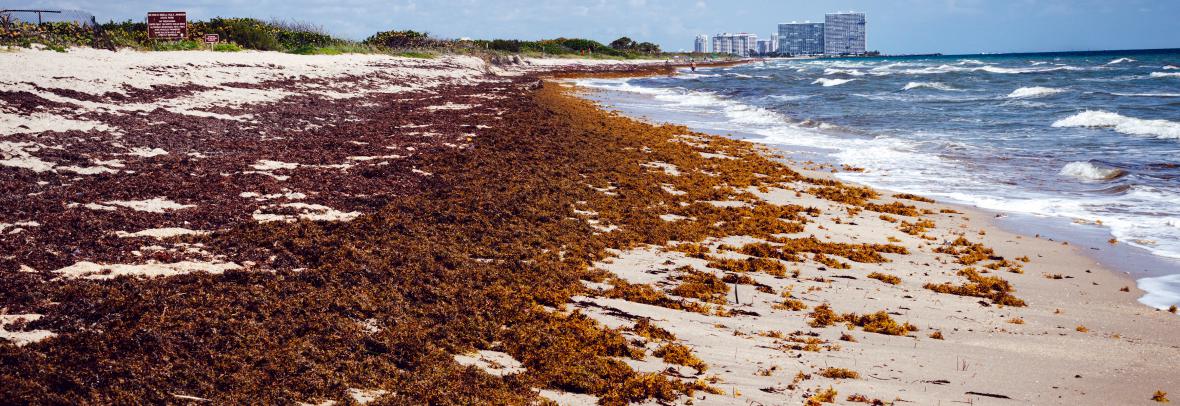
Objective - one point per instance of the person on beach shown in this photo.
(693, 65)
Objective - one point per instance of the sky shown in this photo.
(894, 26)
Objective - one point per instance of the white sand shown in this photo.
(20, 338)
(91, 270)
(160, 233)
(153, 205)
(493, 362)
(313, 212)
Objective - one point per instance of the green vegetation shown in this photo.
(304, 39)
(230, 47)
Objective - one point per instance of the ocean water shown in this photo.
(1088, 138)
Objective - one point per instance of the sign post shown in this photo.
(211, 39)
(170, 25)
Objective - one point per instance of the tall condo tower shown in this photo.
(700, 44)
(844, 34)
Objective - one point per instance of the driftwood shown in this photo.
(990, 395)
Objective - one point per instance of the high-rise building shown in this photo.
(740, 44)
(844, 34)
(774, 42)
(763, 47)
(700, 44)
(806, 38)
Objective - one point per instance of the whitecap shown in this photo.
(1120, 60)
(1122, 124)
(1090, 171)
(849, 72)
(1165, 74)
(831, 82)
(1035, 91)
(928, 85)
(1171, 67)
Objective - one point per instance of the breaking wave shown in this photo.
(849, 72)
(928, 85)
(1122, 124)
(1034, 91)
(831, 82)
(1120, 60)
(1090, 171)
(1165, 74)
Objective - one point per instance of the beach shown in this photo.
(183, 227)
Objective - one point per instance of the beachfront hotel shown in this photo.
(701, 44)
(844, 34)
(740, 44)
(806, 38)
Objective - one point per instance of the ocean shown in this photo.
(1075, 142)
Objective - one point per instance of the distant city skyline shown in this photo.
(841, 33)
(899, 26)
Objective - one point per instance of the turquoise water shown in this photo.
(1088, 138)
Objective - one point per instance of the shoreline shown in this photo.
(1095, 298)
(1138, 262)
(458, 233)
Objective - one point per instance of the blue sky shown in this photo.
(894, 26)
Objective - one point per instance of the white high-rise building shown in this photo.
(774, 39)
(740, 44)
(699, 46)
(844, 33)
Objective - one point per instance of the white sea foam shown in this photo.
(928, 85)
(1090, 171)
(1162, 291)
(1031, 92)
(941, 69)
(831, 82)
(850, 72)
(1120, 60)
(1165, 74)
(1122, 124)
(1171, 67)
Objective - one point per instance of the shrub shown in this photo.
(230, 47)
(399, 39)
